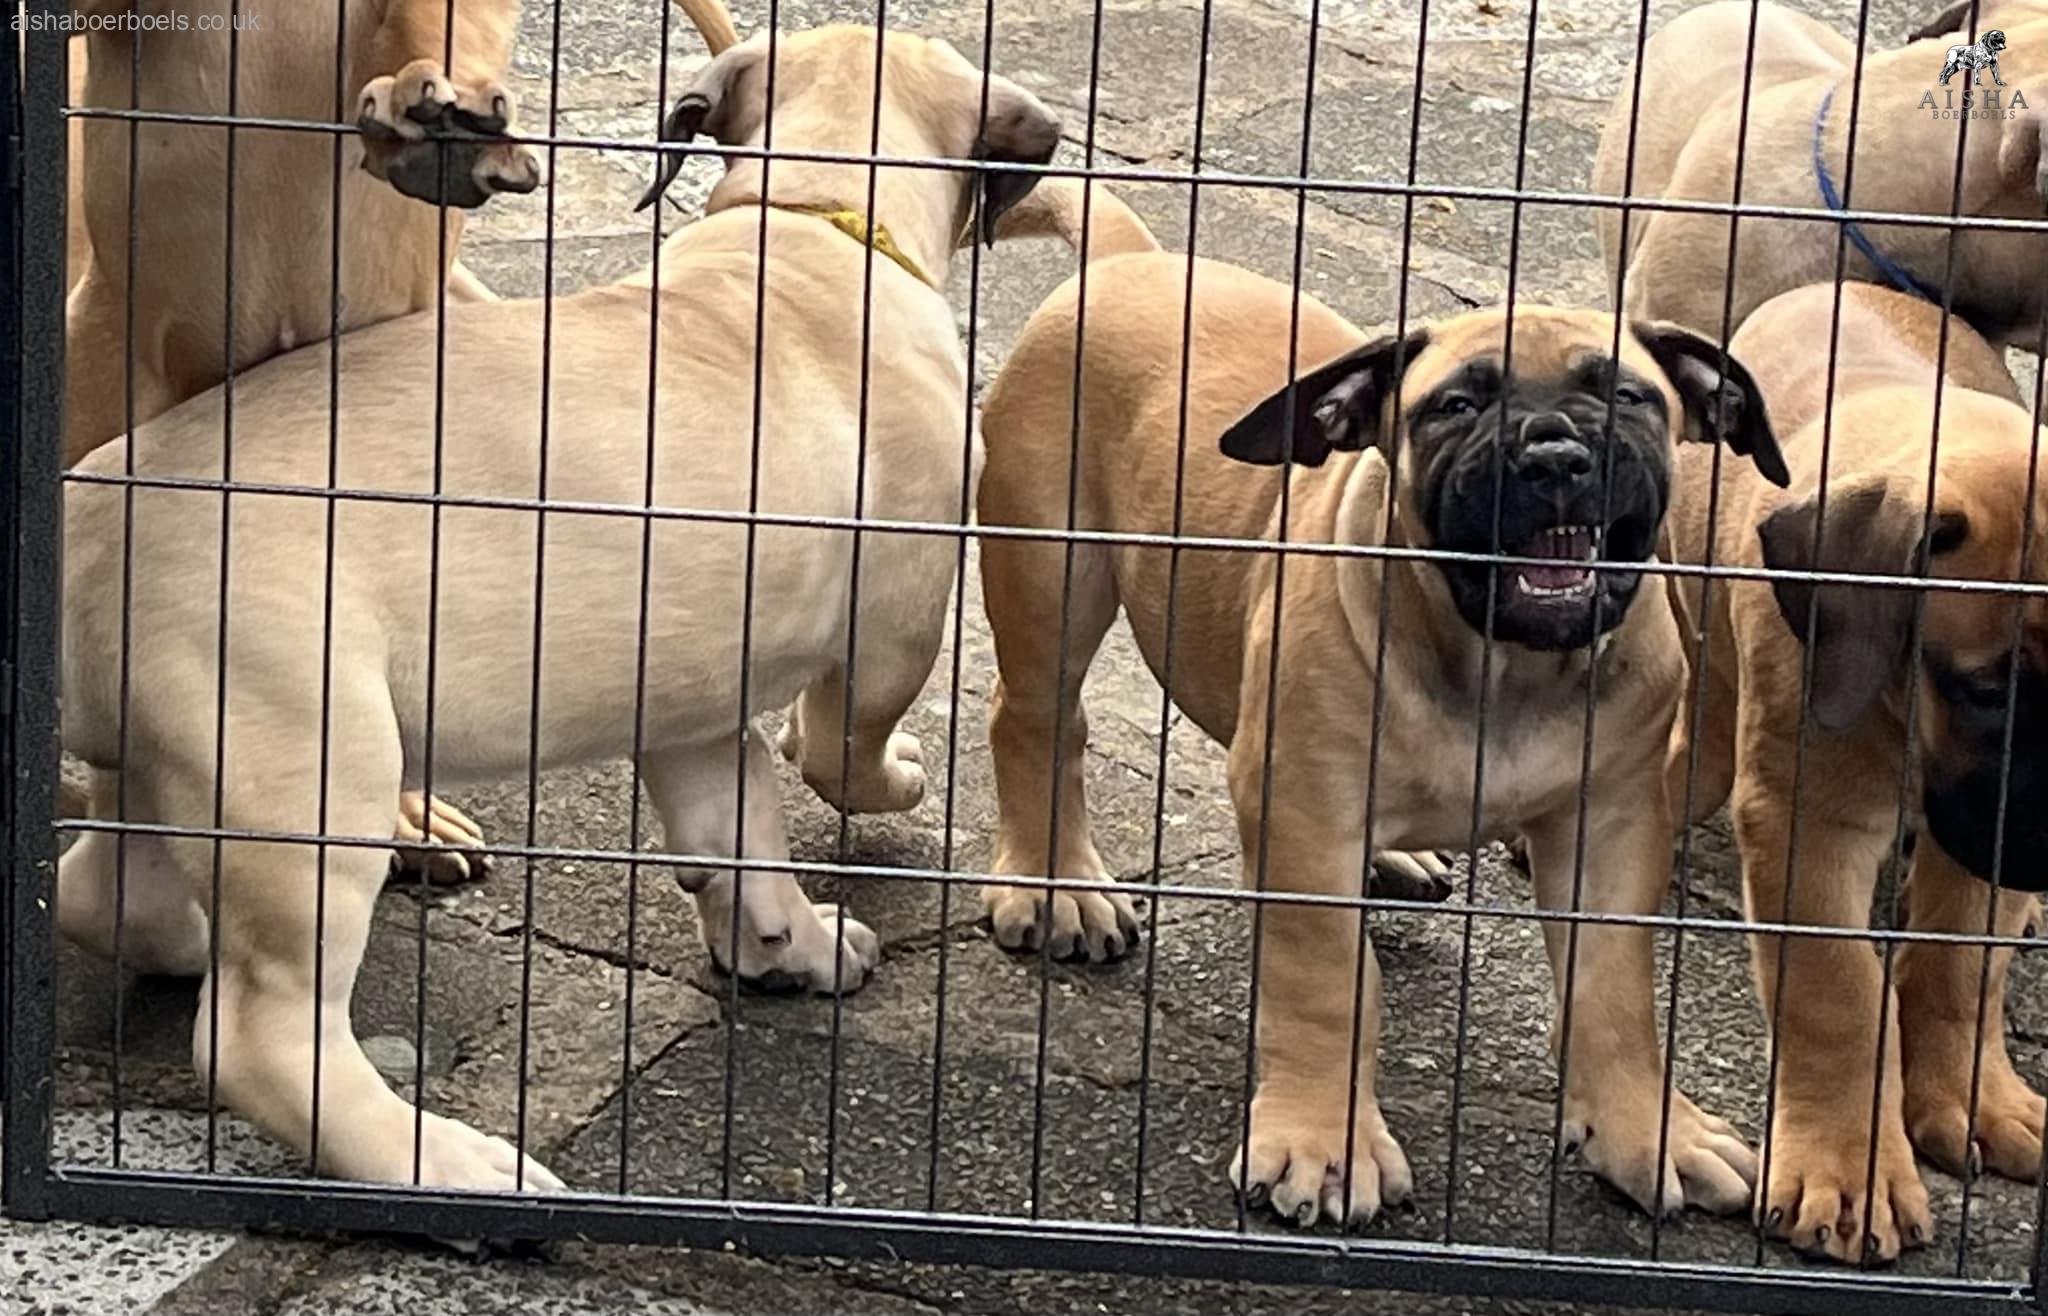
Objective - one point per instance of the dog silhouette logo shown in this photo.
(1974, 59)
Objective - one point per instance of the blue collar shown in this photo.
(1894, 274)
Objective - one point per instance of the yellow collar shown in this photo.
(855, 225)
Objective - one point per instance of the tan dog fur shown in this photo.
(285, 225)
(1848, 802)
(1313, 835)
(693, 729)
(1687, 132)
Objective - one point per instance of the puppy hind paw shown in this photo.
(1422, 875)
(454, 1155)
(2005, 1137)
(1706, 1164)
(894, 783)
(1095, 926)
(438, 842)
(437, 141)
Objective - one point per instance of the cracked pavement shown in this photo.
(576, 1043)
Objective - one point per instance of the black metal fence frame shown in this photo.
(35, 1187)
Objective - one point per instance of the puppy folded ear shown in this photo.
(1019, 129)
(1722, 401)
(1336, 406)
(708, 104)
(1858, 633)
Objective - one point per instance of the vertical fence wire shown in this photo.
(729, 1116)
(220, 692)
(1765, 1220)
(977, 199)
(1701, 646)
(522, 1118)
(131, 240)
(1149, 992)
(842, 843)
(1923, 566)
(31, 727)
(327, 551)
(650, 457)
(1382, 629)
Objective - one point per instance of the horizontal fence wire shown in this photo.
(833, 1218)
(1212, 178)
(1126, 539)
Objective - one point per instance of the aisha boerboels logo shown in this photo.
(1973, 60)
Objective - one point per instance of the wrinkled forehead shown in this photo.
(1549, 345)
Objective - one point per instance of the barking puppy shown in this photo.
(1825, 996)
(1794, 145)
(1408, 442)
(174, 271)
(346, 702)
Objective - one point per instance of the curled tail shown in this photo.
(713, 22)
(1053, 209)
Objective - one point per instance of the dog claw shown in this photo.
(1774, 1219)
(1305, 1214)
(1974, 1166)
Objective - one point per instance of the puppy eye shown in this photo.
(1454, 405)
(1984, 694)
(1625, 396)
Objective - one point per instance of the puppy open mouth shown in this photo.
(1573, 548)
(1577, 584)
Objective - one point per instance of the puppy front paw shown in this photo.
(1309, 1160)
(438, 142)
(1819, 1170)
(1096, 926)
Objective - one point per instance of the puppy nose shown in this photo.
(1551, 454)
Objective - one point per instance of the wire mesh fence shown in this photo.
(382, 480)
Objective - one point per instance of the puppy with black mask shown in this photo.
(1823, 708)
(1349, 687)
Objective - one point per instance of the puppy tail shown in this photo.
(713, 22)
(1054, 208)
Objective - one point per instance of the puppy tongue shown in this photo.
(1568, 544)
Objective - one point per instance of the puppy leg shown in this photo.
(435, 121)
(1699, 769)
(781, 938)
(161, 928)
(1939, 1010)
(1609, 1049)
(1319, 1147)
(275, 1013)
(853, 756)
(1038, 717)
(1828, 1046)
